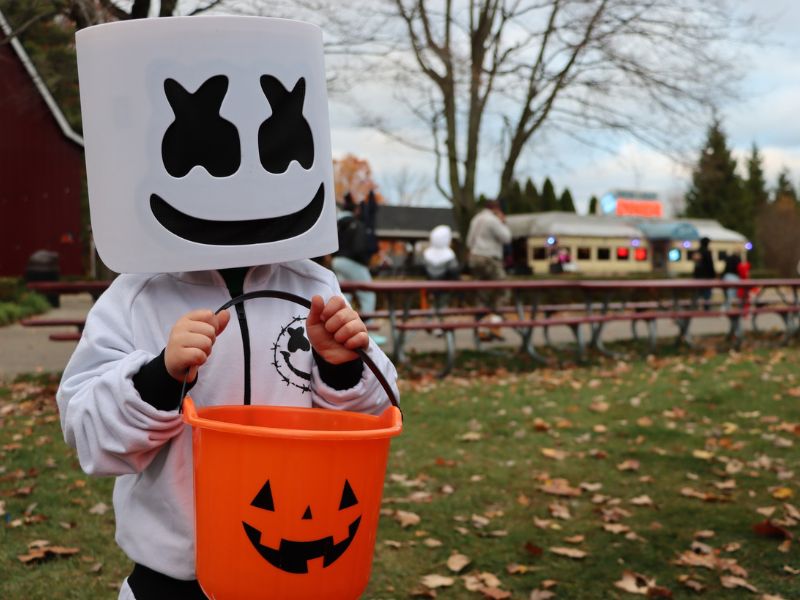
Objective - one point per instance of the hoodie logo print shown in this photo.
(290, 354)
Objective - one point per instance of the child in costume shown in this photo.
(192, 178)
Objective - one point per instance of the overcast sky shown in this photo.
(767, 114)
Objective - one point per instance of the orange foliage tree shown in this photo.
(353, 174)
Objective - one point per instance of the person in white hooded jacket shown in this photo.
(120, 392)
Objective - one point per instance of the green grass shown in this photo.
(684, 418)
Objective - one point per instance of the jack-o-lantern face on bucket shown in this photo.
(215, 157)
(292, 556)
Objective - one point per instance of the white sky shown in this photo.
(767, 114)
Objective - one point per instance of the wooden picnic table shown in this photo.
(603, 301)
(598, 302)
(93, 287)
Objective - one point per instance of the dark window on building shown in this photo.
(584, 253)
(623, 253)
(604, 254)
(539, 253)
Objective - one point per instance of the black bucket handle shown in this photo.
(306, 304)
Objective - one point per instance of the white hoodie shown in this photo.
(150, 451)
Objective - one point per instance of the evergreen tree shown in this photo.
(755, 190)
(756, 184)
(717, 191)
(548, 200)
(513, 201)
(784, 188)
(565, 203)
(532, 201)
(593, 205)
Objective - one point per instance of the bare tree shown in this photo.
(488, 78)
(646, 67)
(406, 187)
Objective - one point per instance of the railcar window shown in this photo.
(722, 255)
(640, 254)
(604, 254)
(539, 253)
(584, 253)
(623, 253)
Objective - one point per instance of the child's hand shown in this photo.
(190, 341)
(335, 330)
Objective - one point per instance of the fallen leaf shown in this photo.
(629, 465)
(642, 501)
(533, 549)
(560, 487)
(554, 453)
(434, 581)
(456, 562)
(99, 509)
(730, 582)
(782, 493)
(635, 583)
(769, 529)
(568, 552)
(559, 511)
(406, 519)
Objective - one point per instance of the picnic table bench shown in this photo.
(599, 308)
(676, 300)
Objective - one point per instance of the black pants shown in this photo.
(147, 584)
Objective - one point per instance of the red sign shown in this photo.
(628, 207)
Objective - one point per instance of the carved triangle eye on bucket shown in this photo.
(199, 136)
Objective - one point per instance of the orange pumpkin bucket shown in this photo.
(287, 499)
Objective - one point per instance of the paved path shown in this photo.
(26, 350)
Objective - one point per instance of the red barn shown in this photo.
(41, 169)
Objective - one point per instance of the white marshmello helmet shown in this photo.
(207, 142)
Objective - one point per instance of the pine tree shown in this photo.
(513, 201)
(548, 200)
(532, 201)
(756, 184)
(593, 205)
(784, 188)
(717, 191)
(565, 203)
(755, 190)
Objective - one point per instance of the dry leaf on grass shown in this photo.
(40, 550)
(568, 552)
(635, 583)
(541, 595)
(769, 529)
(554, 454)
(629, 465)
(100, 508)
(434, 581)
(406, 519)
(560, 487)
(731, 582)
(456, 562)
(559, 511)
(643, 500)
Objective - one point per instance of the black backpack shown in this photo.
(353, 240)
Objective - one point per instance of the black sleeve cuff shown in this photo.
(339, 377)
(157, 387)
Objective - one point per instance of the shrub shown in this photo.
(25, 305)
